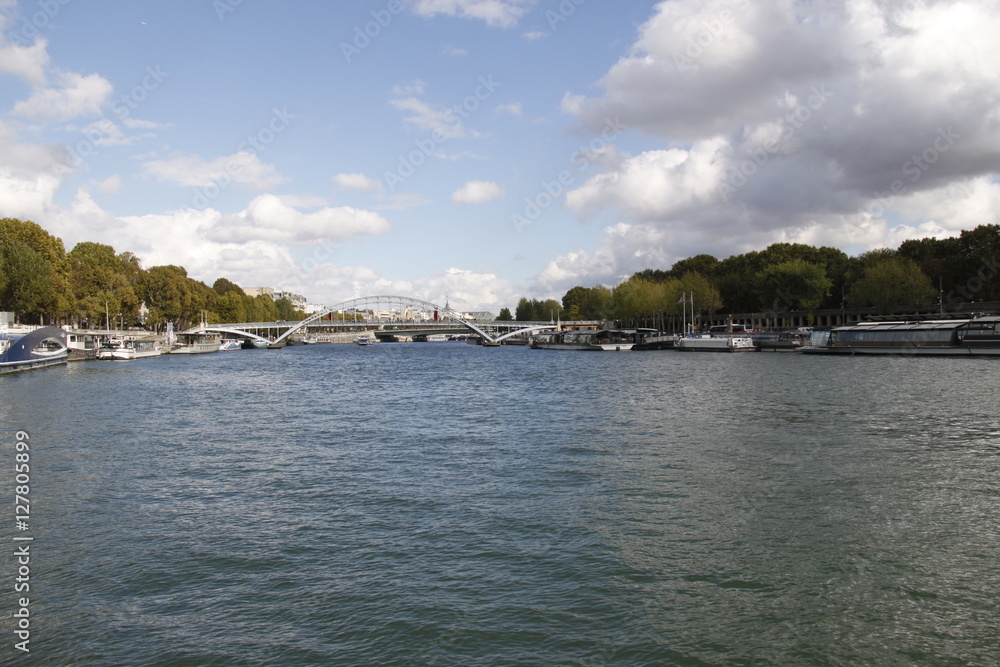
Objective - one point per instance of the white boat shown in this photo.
(590, 339)
(126, 350)
(708, 343)
(26, 348)
(230, 344)
(196, 343)
(363, 340)
(107, 349)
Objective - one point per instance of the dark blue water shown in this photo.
(446, 504)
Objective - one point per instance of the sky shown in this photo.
(479, 151)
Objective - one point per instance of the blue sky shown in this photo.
(483, 150)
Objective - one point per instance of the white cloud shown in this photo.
(500, 13)
(30, 175)
(111, 185)
(432, 118)
(28, 63)
(477, 192)
(794, 121)
(268, 218)
(76, 95)
(243, 168)
(515, 109)
(356, 182)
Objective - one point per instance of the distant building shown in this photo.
(313, 308)
(299, 301)
(259, 291)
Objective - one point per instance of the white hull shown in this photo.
(128, 354)
(196, 348)
(130, 350)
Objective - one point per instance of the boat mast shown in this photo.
(692, 311)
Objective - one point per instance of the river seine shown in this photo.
(447, 504)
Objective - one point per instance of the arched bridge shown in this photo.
(382, 312)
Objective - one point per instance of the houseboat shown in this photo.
(785, 341)
(82, 346)
(196, 343)
(709, 343)
(590, 339)
(118, 349)
(930, 337)
(23, 349)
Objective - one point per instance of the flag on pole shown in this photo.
(683, 298)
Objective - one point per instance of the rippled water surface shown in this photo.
(446, 504)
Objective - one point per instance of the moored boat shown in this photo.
(363, 340)
(590, 339)
(708, 343)
(120, 349)
(786, 341)
(230, 344)
(24, 349)
(82, 346)
(978, 337)
(107, 349)
(196, 343)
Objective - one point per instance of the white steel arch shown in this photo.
(366, 302)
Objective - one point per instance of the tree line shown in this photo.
(786, 277)
(94, 285)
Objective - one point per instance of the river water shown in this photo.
(447, 504)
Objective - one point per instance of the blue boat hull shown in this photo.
(22, 354)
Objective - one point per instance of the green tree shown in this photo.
(706, 297)
(103, 283)
(889, 283)
(18, 234)
(224, 286)
(286, 310)
(505, 315)
(590, 303)
(164, 291)
(29, 281)
(230, 307)
(705, 265)
(637, 299)
(793, 285)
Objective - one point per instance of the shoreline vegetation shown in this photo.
(93, 283)
(922, 275)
